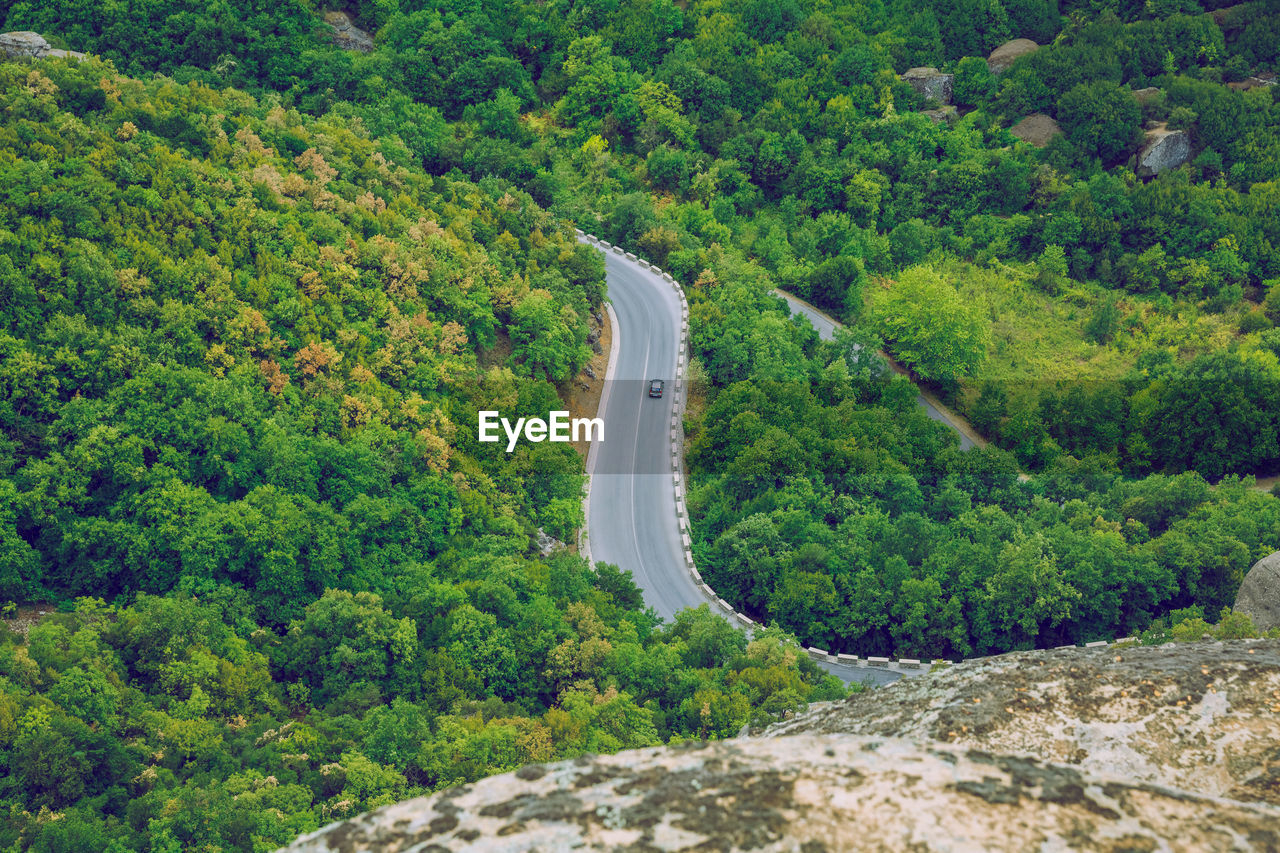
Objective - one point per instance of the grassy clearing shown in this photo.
(1038, 339)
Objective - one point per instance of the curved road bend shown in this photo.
(631, 513)
(826, 327)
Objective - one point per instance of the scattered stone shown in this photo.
(933, 84)
(28, 45)
(807, 792)
(1162, 150)
(547, 544)
(1259, 595)
(590, 373)
(1147, 95)
(347, 35)
(943, 115)
(596, 348)
(1003, 56)
(1258, 81)
(1036, 129)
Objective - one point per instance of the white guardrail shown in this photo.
(903, 665)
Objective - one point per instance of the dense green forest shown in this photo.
(254, 288)
(238, 346)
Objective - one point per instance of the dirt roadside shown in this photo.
(583, 399)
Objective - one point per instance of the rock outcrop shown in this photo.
(943, 115)
(1122, 748)
(1162, 150)
(28, 45)
(931, 83)
(1256, 82)
(1204, 717)
(1036, 129)
(1259, 595)
(346, 34)
(1147, 95)
(1003, 56)
(804, 793)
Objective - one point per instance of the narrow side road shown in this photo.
(826, 326)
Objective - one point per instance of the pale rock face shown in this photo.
(347, 35)
(24, 44)
(934, 85)
(1174, 748)
(29, 45)
(1162, 150)
(1003, 56)
(1259, 595)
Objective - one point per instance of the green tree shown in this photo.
(1102, 118)
(931, 327)
(974, 84)
(837, 284)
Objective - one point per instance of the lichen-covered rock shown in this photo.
(1162, 150)
(931, 83)
(1201, 716)
(346, 34)
(1036, 129)
(804, 793)
(29, 45)
(1259, 595)
(1003, 56)
(1257, 82)
(1147, 95)
(23, 45)
(943, 115)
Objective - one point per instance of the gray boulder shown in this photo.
(1147, 95)
(347, 35)
(1036, 129)
(1259, 595)
(1162, 150)
(23, 45)
(930, 82)
(1003, 56)
(943, 115)
(28, 45)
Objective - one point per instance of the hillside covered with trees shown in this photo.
(254, 289)
(242, 350)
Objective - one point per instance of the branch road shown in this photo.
(826, 326)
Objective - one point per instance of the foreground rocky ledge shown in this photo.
(805, 792)
(1136, 749)
(1203, 716)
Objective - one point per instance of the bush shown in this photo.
(1101, 118)
(974, 83)
(1254, 321)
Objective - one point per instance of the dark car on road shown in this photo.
(655, 388)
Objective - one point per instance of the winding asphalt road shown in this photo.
(631, 509)
(631, 513)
